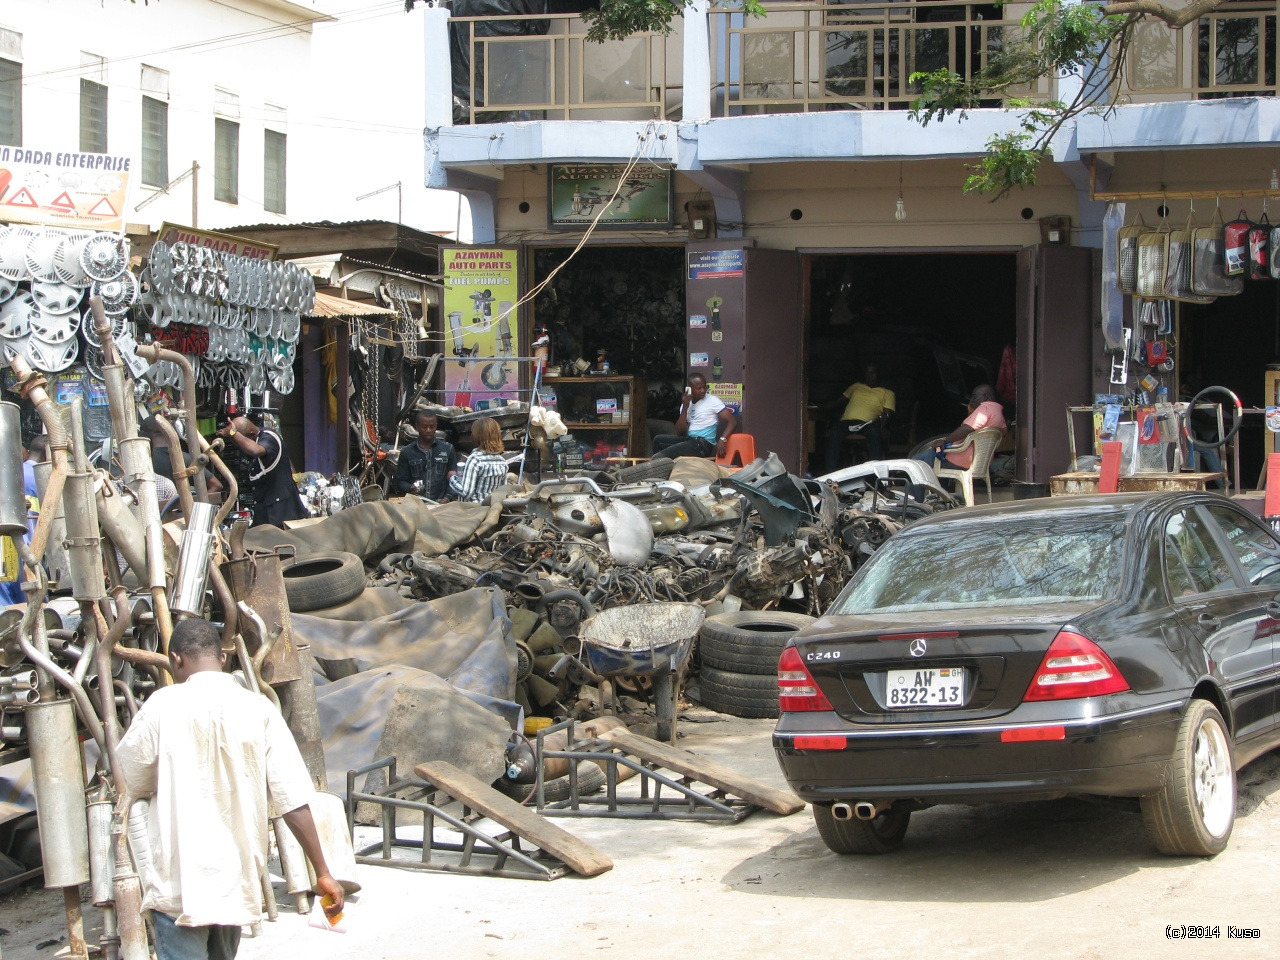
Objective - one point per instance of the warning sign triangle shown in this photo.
(103, 208)
(64, 202)
(23, 198)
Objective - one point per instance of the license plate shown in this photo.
(938, 687)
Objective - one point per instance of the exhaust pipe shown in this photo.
(842, 812)
(864, 810)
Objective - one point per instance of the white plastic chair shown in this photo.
(984, 443)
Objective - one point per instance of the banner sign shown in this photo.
(710, 264)
(579, 190)
(171, 233)
(75, 191)
(481, 287)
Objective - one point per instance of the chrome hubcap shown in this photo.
(1212, 779)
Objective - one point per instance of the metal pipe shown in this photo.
(119, 523)
(24, 678)
(231, 487)
(57, 772)
(76, 947)
(178, 464)
(252, 675)
(195, 557)
(226, 600)
(129, 699)
(101, 861)
(155, 353)
(54, 521)
(108, 637)
(23, 696)
(128, 888)
(13, 502)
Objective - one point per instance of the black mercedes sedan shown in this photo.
(1122, 646)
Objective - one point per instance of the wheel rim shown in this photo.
(1212, 779)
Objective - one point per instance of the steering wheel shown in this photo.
(1226, 437)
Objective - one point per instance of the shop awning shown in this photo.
(328, 305)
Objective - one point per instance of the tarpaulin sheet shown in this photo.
(370, 530)
(373, 603)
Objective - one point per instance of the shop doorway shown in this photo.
(627, 301)
(1230, 343)
(934, 324)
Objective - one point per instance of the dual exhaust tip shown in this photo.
(861, 810)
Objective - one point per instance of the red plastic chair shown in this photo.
(740, 447)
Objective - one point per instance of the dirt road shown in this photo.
(1068, 879)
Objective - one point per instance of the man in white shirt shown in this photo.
(212, 756)
(705, 419)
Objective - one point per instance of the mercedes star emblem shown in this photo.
(919, 647)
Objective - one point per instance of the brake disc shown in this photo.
(15, 316)
(52, 358)
(56, 297)
(66, 260)
(39, 257)
(54, 328)
(104, 256)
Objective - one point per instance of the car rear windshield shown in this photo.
(1012, 563)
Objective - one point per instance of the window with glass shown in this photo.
(93, 117)
(273, 171)
(1253, 545)
(1193, 563)
(155, 142)
(226, 161)
(10, 103)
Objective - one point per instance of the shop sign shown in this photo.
(699, 360)
(729, 393)
(481, 287)
(698, 321)
(581, 191)
(171, 233)
(713, 264)
(81, 191)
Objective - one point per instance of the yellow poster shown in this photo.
(481, 287)
(81, 191)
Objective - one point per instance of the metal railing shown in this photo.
(541, 67)
(803, 57)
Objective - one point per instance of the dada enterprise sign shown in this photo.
(73, 190)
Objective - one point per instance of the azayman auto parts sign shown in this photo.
(77, 191)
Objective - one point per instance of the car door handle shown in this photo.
(1273, 610)
(1208, 621)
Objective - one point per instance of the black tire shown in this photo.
(1193, 814)
(739, 694)
(749, 641)
(882, 835)
(321, 580)
(590, 780)
(649, 470)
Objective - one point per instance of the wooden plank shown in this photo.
(1078, 484)
(689, 764)
(577, 855)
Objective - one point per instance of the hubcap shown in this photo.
(1212, 779)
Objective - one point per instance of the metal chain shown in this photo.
(409, 332)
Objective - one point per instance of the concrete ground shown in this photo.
(1067, 879)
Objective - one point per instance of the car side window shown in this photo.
(1193, 562)
(1254, 546)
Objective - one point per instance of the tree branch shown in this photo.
(1175, 19)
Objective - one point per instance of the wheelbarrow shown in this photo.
(644, 640)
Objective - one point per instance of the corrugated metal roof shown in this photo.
(338, 225)
(331, 306)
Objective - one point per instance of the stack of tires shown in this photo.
(740, 660)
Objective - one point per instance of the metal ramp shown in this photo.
(529, 847)
(675, 796)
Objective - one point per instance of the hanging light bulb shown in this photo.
(900, 209)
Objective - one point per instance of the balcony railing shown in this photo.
(824, 56)
(804, 57)
(540, 67)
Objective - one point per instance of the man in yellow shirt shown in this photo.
(867, 408)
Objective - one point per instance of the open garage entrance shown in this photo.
(935, 324)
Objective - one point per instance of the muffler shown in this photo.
(13, 502)
(57, 771)
(194, 558)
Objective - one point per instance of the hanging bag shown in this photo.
(1153, 259)
(1235, 242)
(1208, 277)
(1274, 251)
(1127, 250)
(1177, 277)
(1260, 249)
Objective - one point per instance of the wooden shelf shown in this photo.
(635, 428)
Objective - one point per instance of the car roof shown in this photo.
(1123, 505)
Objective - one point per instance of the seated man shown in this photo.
(426, 466)
(867, 409)
(984, 411)
(705, 419)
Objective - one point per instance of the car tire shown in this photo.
(649, 470)
(748, 641)
(321, 580)
(884, 834)
(1194, 812)
(590, 779)
(739, 694)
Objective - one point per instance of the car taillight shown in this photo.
(1074, 666)
(796, 690)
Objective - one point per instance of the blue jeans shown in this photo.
(670, 445)
(193, 943)
(930, 456)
